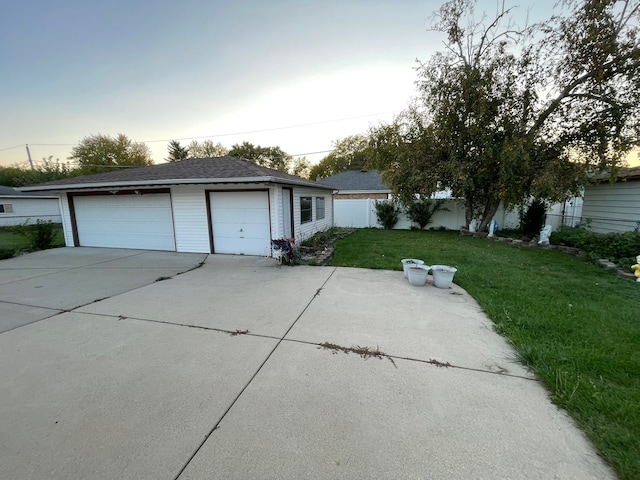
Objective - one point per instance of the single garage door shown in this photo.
(240, 222)
(125, 221)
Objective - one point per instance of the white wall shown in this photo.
(612, 207)
(30, 210)
(361, 213)
(303, 231)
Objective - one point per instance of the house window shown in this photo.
(319, 208)
(306, 213)
(6, 208)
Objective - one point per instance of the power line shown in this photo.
(225, 134)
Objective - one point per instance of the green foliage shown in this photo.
(421, 211)
(46, 171)
(618, 247)
(301, 167)
(387, 213)
(177, 152)
(6, 253)
(102, 153)
(206, 149)
(533, 219)
(504, 113)
(271, 157)
(573, 323)
(40, 235)
(350, 153)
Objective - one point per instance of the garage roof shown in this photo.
(190, 171)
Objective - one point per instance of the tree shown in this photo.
(506, 113)
(422, 210)
(271, 157)
(206, 149)
(301, 167)
(350, 153)
(102, 153)
(177, 152)
(47, 171)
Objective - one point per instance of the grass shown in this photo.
(576, 325)
(11, 241)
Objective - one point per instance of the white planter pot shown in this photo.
(443, 275)
(408, 262)
(417, 275)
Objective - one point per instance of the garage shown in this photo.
(240, 222)
(126, 220)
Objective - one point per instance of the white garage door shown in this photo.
(240, 222)
(125, 221)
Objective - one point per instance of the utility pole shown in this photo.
(29, 155)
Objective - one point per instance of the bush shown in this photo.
(533, 220)
(422, 210)
(40, 235)
(6, 253)
(387, 213)
(617, 247)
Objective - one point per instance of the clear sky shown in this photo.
(161, 70)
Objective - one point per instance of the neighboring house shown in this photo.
(358, 184)
(613, 206)
(210, 205)
(18, 207)
(358, 190)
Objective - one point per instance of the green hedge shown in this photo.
(618, 247)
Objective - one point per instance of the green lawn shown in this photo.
(576, 325)
(12, 241)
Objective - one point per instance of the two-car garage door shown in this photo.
(125, 221)
(240, 221)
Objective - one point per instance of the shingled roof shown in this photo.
(190, 171)
(12, 192)
(357, 180)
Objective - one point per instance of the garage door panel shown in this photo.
(241, 222)
(125, 221)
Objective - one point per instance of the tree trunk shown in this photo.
(490, 209)
(468, 210)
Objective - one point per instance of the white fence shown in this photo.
(361, 213)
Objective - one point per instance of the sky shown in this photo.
(298, 74)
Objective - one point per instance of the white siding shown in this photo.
(190, 219)
(30, 210)
(66, 221)
(306, 230)
(612, 207)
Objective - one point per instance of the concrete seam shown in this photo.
(224, 414)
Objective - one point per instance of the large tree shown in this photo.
(102, 153)
(272, 157)
(505, 113)
(349, 153)
(206, 149)
(176, 151)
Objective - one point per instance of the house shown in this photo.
(358, 184)
(18, 207)
(613, 206)
(358, 190)
(200, 205)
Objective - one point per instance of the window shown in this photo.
(319, 208)
(6, 208)
(306, 213)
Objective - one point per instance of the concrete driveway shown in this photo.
(240, 369)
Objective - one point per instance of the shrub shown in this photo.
(618, 247)
(533, 220)
(6, 253)
(387, 213)
(422, 210)
(40, 235)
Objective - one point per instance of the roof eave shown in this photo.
(173, 181)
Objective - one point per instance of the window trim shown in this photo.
(318, 209)
(305, 211)
(6, 208)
